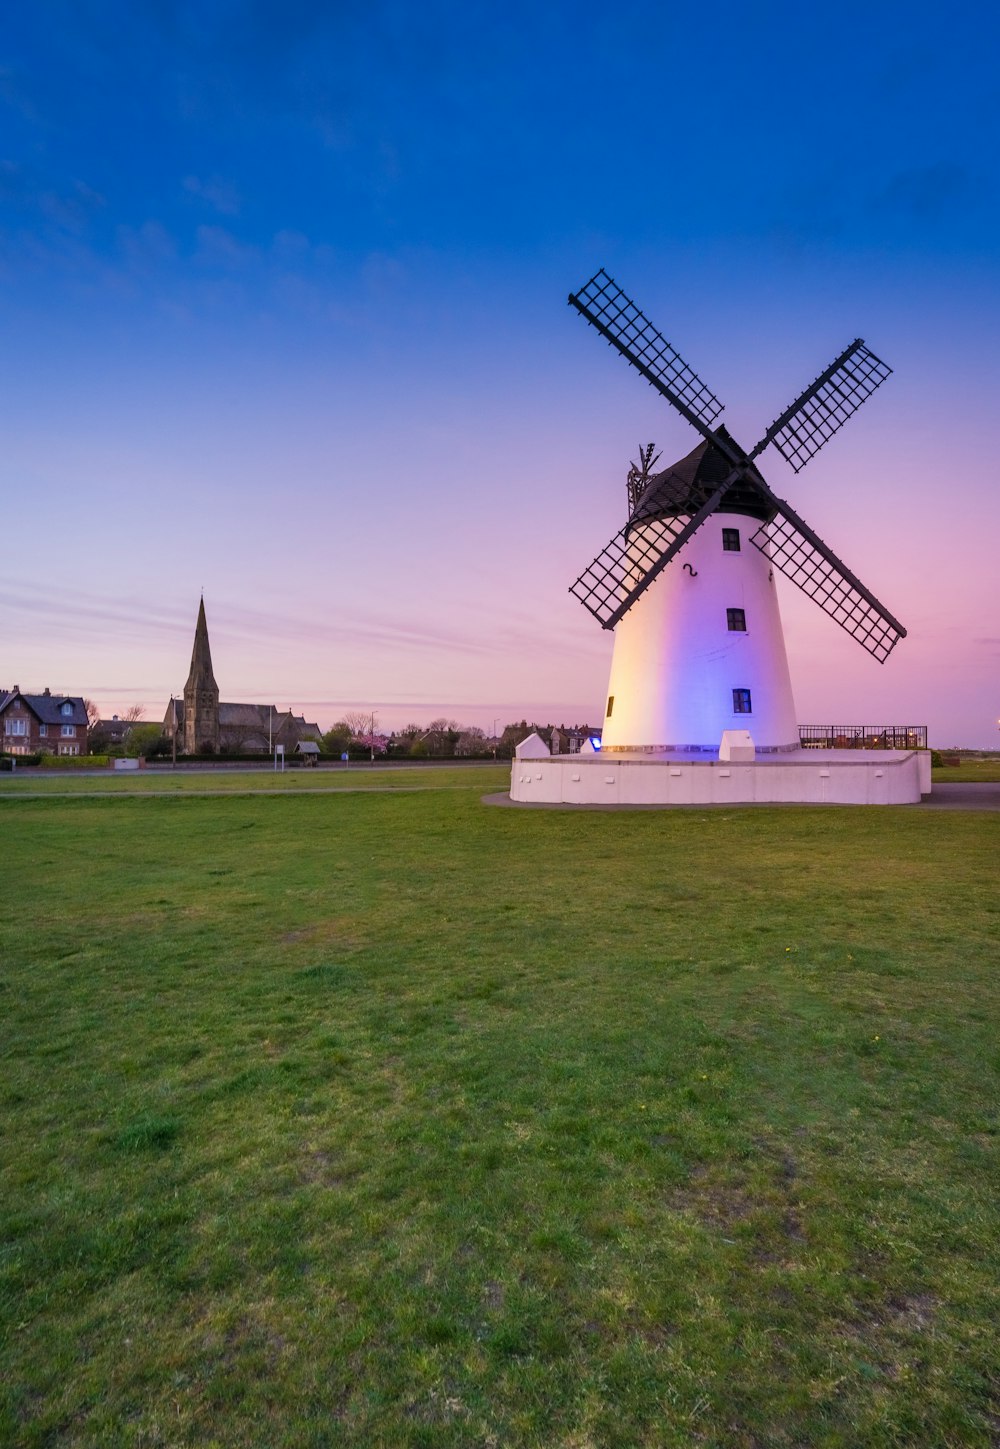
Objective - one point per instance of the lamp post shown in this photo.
(495, 723)
(173, 734)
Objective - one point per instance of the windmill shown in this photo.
(699, 647)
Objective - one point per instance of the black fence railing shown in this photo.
(863, 737)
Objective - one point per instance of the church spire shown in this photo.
(201, 675)
(201, 695)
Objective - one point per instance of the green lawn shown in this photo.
(970, 771)
(391, 1119)
(28, 782)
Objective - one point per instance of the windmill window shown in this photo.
(736, 621)
(611, 705)
(730, 540)
(741, 701)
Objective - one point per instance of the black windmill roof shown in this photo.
(689, 483)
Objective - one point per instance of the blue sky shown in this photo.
(283, 295)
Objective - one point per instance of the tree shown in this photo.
(337, 738)
(145, 740)
(471, 741)
(361, 723)
(364, 731)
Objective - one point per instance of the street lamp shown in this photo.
(495, 723)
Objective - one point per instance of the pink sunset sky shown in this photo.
(302, 343)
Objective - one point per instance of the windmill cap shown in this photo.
(687, 484)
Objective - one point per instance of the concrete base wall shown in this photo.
(827, 777)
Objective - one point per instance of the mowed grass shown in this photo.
(395, 1119)
(969, 772)
(27, 782)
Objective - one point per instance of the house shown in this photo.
(54, 724)
(113, 731)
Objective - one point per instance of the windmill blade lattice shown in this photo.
(825, 406)
(606, 307)
(802, 556)
(629, 563)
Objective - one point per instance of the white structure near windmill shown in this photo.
(699, 703)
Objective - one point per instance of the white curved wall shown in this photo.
(676, 663)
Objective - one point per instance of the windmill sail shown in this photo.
(629, 562)
(606, 307)
(825, 406)
(801, 555)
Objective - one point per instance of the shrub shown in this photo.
(74, 762)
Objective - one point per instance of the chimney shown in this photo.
(46, 690)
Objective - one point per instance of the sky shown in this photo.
(283, 301)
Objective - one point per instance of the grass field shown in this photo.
(392, 1119)
(969, 772)
(29, 782)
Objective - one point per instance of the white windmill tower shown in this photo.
(699, 648)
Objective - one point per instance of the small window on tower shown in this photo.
(741, 701)
(730, 540)
(736, 620)
(611, 705)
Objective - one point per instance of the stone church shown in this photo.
(204, 726)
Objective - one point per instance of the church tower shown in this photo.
(201, 695)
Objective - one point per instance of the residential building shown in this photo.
(47, 723)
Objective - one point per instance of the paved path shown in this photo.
(975, 796)
(943, 797)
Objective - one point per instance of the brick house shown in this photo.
(53, 724)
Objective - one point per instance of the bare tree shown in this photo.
(93, 713)
(361, 723)
(472, 741)
(132, 715)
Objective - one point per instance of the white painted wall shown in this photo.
(675, 663)
(821, 777)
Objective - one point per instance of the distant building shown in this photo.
(53, 724)
(203, 725)
(113, 731)
(569, 740)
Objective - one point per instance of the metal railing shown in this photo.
(863, 737)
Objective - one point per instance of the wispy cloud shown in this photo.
(146, 247)
(218, 247)
(219, 194)
(76, 614)
(926, 193)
